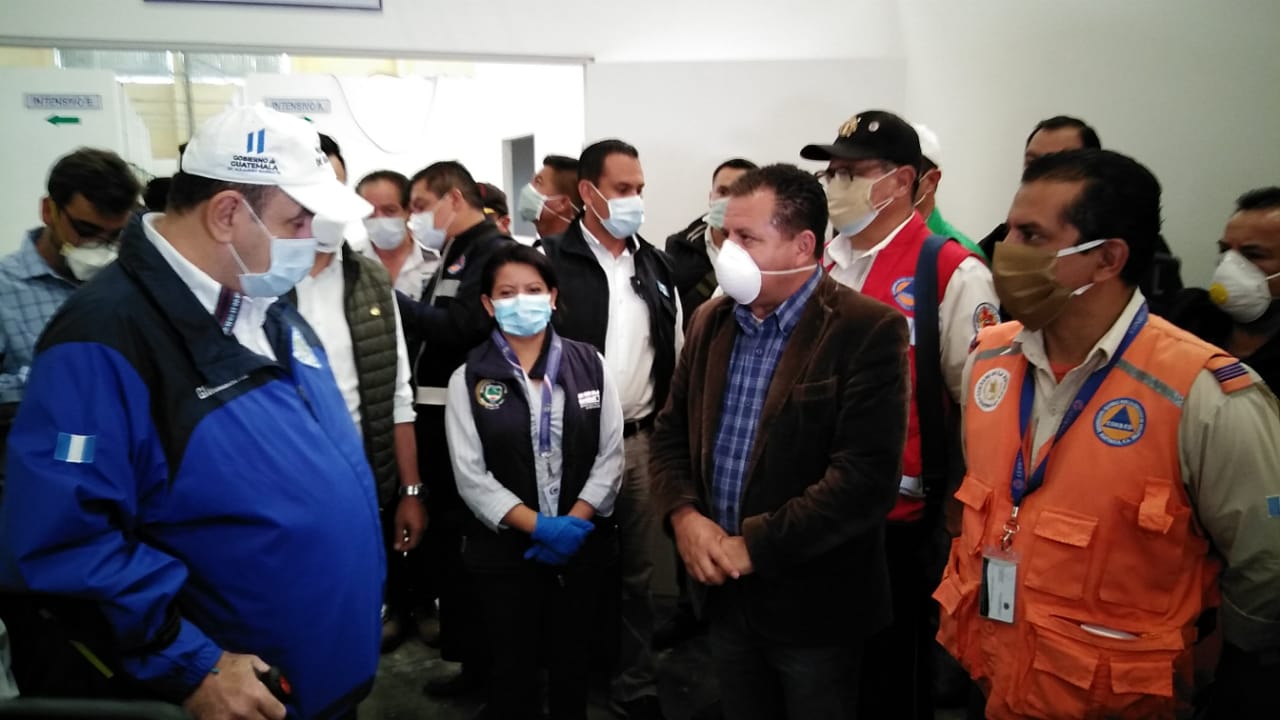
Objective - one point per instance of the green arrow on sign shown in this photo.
(62, 120)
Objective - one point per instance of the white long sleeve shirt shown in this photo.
(489, 499)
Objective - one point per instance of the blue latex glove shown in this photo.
(564, 534)
(545, 555)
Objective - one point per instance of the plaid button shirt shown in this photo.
(30, 293)
(756, 351)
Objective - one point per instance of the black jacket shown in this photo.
(691, 268)
(450, 321)
(1193, 311)
(584, 299)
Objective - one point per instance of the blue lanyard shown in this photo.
(1022, 485)
(552, 372)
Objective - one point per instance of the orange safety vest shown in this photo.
(1109, 540)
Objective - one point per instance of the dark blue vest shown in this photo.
(500, 408)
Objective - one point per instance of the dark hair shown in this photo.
(400, 181)
(441, 177)
(564, 176)
(329, 146)
(735, 164)
(591, 164)
(1267, 198)
(799, 203)
(100, 176)
(926, 165)
(514, 252)
(157, 194)
(495, 201)
(1120, 199)
(186, 191)
(1088, 136)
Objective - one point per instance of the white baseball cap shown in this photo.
(255, 145)
(930, 147)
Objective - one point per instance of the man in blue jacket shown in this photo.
(183, 461)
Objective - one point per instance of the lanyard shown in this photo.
(1022, 484)
(548, 384)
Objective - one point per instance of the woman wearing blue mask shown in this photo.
(535, 435)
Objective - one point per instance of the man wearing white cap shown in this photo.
(183, 464)
(926, 201)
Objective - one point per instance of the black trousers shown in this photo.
(538, 616)
(899, 664)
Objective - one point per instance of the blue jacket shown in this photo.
(205, 497)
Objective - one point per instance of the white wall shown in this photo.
(32, 145)
(1187, 86)
(582, 29)
(449, 118)
(687, 118)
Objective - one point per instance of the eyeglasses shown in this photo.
(846, 174)
(91, 235)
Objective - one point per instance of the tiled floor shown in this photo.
(684, 686)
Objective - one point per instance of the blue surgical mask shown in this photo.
(531, 203)
(291, 261)
(422, 226)
(715, 215)
(626, 215)
(523, 315)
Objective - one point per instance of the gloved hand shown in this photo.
(564, 534)
(545, 555)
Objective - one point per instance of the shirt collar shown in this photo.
(222, 303)
(597, 246)
(31, 264)
(786, 315)
(841, 251)
(1031, 343)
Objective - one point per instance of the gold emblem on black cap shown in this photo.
(849, 127)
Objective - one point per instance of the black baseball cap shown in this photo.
(493, 199)
(871, 135)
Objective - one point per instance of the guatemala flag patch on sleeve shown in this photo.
(74, 448)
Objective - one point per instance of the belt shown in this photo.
(633, 427)
(432, 396)
(911, 486)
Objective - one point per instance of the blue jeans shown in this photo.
(762, 680)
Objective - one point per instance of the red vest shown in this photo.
(891, 281)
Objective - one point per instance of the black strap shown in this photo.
(933, 403)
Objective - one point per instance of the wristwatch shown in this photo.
(414, 490)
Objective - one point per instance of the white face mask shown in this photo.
(1240, 288)
(626, 215)
(386, 233)
(739, 275)
(422, 226)
(85, 262)
(328, 234)
(849, 204)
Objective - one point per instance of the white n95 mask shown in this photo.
(1240, 288)
(739, 275)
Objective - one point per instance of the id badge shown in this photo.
(999, 585)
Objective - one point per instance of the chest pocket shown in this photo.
(1060, 555)
(1148, 578)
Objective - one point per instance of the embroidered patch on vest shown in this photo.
(589, 399)
(985, 315)
(990, 389)
(490, 394)
(1120, 422)
(666, 293)
(1273, 506)
(456, 268)
(904, 293)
